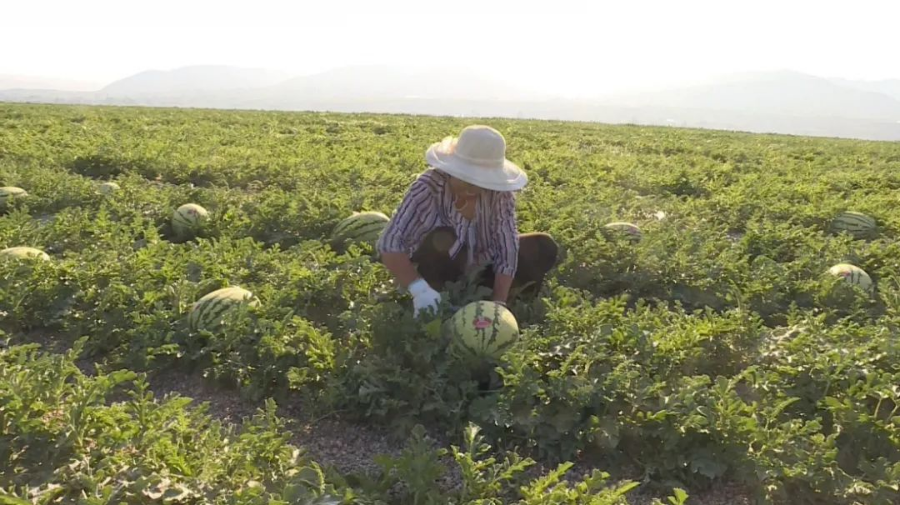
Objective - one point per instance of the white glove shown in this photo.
(424, 297)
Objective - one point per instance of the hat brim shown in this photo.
(509, 177)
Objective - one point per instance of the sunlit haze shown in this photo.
(560, 47)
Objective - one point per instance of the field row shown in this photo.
(717, 348)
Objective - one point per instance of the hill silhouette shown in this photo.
(771, 102)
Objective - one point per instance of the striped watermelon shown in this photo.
(628, 230)
(24, 253)
(482, 330)
(189, 219)
(852, 274)
(8, 193)
(108, 188)
(359, 228)
(857, 224)
(207, 312)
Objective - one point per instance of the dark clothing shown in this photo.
(536, 256)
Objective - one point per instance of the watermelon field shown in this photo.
(717, 352)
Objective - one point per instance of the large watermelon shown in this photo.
(852, 274)
(857, 224)
(629, 231)
(207, 312)
(482, 330)
(108, 188)
(22, 252)
(8, 193)
(359, 228)
(189, 219)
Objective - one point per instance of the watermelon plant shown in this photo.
(144, 449)
(716, 350)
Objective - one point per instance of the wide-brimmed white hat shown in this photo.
(477, 156)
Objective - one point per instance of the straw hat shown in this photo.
(477, 156)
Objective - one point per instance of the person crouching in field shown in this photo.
(459, 215)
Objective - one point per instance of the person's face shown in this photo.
(464, 189)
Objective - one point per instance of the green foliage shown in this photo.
(715, 349)
(64, 438)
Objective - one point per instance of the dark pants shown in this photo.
(537, 255)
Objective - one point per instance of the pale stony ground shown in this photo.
(352, 447)
(349, 447)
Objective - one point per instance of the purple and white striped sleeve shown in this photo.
(506, 242)
(410, 223)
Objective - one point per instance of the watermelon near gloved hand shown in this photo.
(482, 330)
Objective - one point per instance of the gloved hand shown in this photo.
(424, 297)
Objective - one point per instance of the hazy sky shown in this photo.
(558, 46)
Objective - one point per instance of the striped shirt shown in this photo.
(491, 237)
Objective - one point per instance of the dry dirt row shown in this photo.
(348, 447)
(352, 447)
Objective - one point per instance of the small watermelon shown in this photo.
(189, 219)
(359, 228)
(24, 253)
(207, 312)
(108, 188)
(8, 193)
(482, 330)
(628, 230)
(857, 224)
(852, 274)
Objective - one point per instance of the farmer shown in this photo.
(460, 215)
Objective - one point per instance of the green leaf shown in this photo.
(680, 497)
(12, 500)
(708, 467)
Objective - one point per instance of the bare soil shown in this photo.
(352, 447)
(347, 446)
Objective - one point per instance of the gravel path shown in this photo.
(349, 447)
(352, 447)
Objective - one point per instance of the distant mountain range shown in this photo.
(777, 102)
(779, 93)
(36, 82)
(197, 79)
(890, 87)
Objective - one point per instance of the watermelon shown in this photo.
(857, 224)
(360, 228)
(8, 193)
(482, 330)
(108, 188)
(24, 253)
(207, 312)
(852, 274)
(628, 230)
(189, 219)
